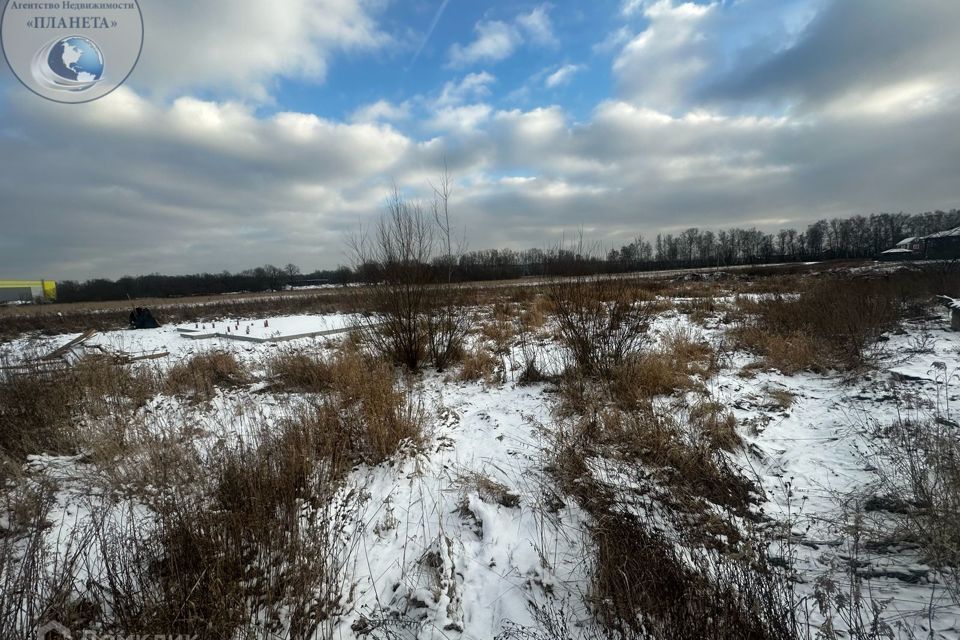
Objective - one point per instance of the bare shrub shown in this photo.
(415, 309)
(202, 374)
(918, 463)
(446, 318)
(600, 322)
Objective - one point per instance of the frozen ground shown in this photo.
(489, 558)
(170, 339)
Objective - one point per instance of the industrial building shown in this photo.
(28, 291)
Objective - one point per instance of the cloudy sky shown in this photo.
(257, 132)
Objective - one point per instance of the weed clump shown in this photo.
(298, 370)
(200, 376)
(600, 322)
(831, 324)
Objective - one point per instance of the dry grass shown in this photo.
(718, 425)
(831, 324)
(255, 541)
(488, 489)
(788, 353)
(780, 399)
(682, 447)
(919, 487)
(300, 370)
(701, 309)
(251, 539)
(677, 364)
(669, 557)
(644, 586)
(672, 551)
(500, 330)
(111, 389)
(368, 409)
(61, 410)
(37, 414)
(533, 315)
(201, 375)
(479, 364)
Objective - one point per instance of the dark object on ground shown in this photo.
(141, 318)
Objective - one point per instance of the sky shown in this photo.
(256, 132)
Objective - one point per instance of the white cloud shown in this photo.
(632, 7)
(659, 66)
(241, 45)
(614, 41)
(381, 110)
(849, 57)
(221, 185)
(538, 27)
(463, 119)
(561, 76)
(225, 188)
(495, 41)
(471, 86)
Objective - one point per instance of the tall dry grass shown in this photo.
(249, 537)
(671, 549)
(199, 376)
(835, 322)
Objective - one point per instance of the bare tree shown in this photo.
(416, 308)
(292, 271)
(447, 320)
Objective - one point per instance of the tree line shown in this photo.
(856, 237)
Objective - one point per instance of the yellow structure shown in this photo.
(28, 291)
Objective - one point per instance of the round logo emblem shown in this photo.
(72, 51)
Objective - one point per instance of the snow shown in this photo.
(171, 338)
(491, 556)
(813, 459)
(432, 550)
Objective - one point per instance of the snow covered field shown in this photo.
(439, 551)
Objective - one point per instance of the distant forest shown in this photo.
(856, 237)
